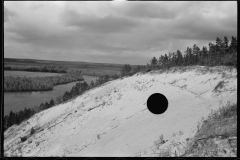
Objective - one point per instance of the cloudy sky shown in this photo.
(112, 31)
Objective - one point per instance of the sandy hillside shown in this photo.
(113, 119)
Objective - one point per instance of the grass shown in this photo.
(220, 123)
(86, 68)
(219, 86)
(159, 142)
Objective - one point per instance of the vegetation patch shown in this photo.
(217, 135)
(218, 86)
(222, 122)
(39, 83)
(23, 139)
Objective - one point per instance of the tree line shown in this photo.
(78, 89)
(49, 68)
(39, 83)
(223, 52)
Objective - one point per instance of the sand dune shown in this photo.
(113, 119)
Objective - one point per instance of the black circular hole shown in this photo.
(157, 103)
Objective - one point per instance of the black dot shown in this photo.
(157, 103)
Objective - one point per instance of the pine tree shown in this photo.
(211, 52)
(165, 61)
(51, 103)
(125, 70)
(160, 61)
(59, 100)
(225, 44)
(11, 119)
(195, 52)
(219, 49)
(233, 45)
(219, 45)
(92, 84)
(204, 55)
(46, 106)
(153, 62)
(179, 58)
(189, 56)
(172, 59)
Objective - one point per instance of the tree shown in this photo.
(171, 58)
(46, 106)
(160, 61)
(125, 70)
(115, 76)
(219, 49)
(179, 60)
(5, 122)
(135, 70)
(11, 119)
(195, 52)
(233, 45)
(225, 44)
(106, 78)
(204, 55)
(165, 61)
(42, 107)
(66, 96)
(84, 85)
(92, 84)
(59, 100)
(138, 68)
(153, 62)
(219, 46)
(211, 53)
(189, 56)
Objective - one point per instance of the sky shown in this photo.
(118, 32)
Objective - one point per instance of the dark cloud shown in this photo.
(114, 32)
(103, 25)
(8, 14)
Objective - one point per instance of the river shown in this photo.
(17, 101)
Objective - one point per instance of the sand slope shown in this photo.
(113, 119)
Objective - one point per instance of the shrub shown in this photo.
(32, 131)
(23, 139)
(148, 70)
(159, 142)
(222, 122)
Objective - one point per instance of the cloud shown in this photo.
(108, 24)
(152, 10)
(112, 32)
(8, 14)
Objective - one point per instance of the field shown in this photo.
(28, 74)
(91, 69)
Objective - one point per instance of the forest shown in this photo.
(49, 68)
(222, 52)
(39, 83)
(86, 68)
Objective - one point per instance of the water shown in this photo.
(17, 101)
